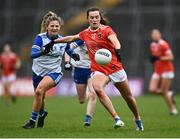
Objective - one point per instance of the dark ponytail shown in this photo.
(103, 20)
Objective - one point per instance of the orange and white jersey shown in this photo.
(97, 39)
(161, 48)
(8, 64)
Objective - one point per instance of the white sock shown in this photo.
(117, 117)
(170, 93)
(174, 111)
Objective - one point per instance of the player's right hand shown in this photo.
(67, 66)
(48, 47)
(76, 57)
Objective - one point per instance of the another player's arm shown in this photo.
(67, 58)
(18, 63)
(71, 53)
(67, 64)
(168, 57)
(72, 45)
(67, 39)
(114, 40)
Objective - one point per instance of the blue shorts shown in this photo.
(37, 79)
(81, 75)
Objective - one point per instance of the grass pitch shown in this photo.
(66, 116)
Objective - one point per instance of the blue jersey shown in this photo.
(50, 63)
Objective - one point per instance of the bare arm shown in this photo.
(66, 57)
(18, 63)
(113, 38)
(67, 39)
(168, 57)
(67, 64)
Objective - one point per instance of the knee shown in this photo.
(39, 92)
(92, 96)
(98, 89)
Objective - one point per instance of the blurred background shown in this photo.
(132, 20)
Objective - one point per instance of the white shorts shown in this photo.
(9, 79)
(165, 75)
(118, 76)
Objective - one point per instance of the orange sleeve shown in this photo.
(109, 31)
(165, 47)
(81, 35)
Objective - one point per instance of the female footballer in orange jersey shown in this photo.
(163, 74)
(99, 35)
(9, 63)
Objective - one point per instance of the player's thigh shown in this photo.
(7, 85)
(7, 81)
(45, 84)
(80, 76)
(99, 80)
(124, 88)
(81, 91)
(154, 83)
(165, 84)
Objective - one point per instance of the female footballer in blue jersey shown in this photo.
(81, 74)
(46, 67)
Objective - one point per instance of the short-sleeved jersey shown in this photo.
(84, 61)
(50, 63)
(96, 40)
(8, 63)
(159, 49)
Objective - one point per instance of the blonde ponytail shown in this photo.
(43, 23)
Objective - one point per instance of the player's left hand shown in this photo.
(76, 57)
(118, 54)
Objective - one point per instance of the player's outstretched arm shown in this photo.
(67, 39)
(77, 43)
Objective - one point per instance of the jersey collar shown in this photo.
(57, 36)
(95, 29)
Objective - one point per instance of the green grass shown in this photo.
(66, 117)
